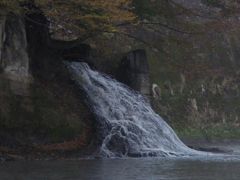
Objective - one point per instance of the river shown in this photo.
(124, 169)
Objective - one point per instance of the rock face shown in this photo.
(14, 59)
(2, 31)
(79, 52)
(134, 71)
(39, 111)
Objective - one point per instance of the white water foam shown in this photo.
(127, 125)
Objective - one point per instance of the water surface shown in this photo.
(123, 169)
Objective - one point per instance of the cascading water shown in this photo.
(127, 124)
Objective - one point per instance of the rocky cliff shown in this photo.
(194, 61)
(40, 109)
(199, 77)
(195, 67)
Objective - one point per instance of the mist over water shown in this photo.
(127, 125)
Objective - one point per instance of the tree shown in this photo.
(78, 17)
(85, 18)
(82, 19)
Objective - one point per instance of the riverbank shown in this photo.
(61, 151)
(228, 146)
(70, 150)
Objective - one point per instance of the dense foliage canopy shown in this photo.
(79, 16)
(86, 18)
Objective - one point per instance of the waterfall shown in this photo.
(127, 125)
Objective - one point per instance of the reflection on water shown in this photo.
(122, 169)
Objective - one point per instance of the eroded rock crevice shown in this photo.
(14, 55)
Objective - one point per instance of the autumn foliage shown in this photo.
(79, 17)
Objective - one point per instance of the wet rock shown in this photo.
(14, 60)
(134, 71)
(2, 33)
(4, 158)
(156, 92)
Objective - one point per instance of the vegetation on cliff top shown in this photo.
(79, 17)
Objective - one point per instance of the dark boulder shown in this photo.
(14, 60)
(134, 71)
